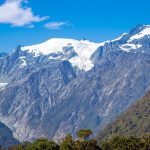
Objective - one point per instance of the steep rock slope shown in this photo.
(103, 98)
(3, 54)
(6, 136)
(44, 93)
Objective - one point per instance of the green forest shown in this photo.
(84, 142)
(133, 122)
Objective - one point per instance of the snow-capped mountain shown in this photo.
(63, 85)
(135, 40)
(78, 53)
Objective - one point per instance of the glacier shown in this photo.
(83, 49)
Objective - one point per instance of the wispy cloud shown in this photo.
(55, 25)
(12, 12)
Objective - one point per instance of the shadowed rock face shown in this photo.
(3, 54)
(45, 97)
(6, 136)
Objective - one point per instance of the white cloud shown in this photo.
(55, 25)
(12, 12)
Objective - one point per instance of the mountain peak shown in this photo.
(78, 53)
(139, 32)
(135, 40)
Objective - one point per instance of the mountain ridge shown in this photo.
(51, 97)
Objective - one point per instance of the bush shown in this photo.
(43, 144)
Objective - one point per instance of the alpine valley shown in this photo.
(63, 85)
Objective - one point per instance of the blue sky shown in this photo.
(29, 22)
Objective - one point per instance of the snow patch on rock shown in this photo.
(24, 63)
(3, 85)
(128, 47)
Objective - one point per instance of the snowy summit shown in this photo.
(78, 53)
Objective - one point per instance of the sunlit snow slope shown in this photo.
(77, 52)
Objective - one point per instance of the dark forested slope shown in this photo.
(134, 122)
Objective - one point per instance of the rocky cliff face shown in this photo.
(63, 85)
(3, 54)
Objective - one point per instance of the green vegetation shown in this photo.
(84, 134)
(68, 143)
(134, 122)
(126, 143)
